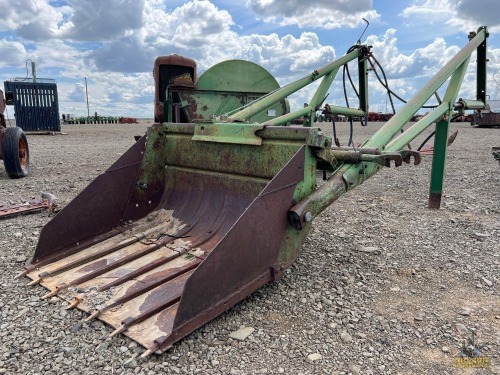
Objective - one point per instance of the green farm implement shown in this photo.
(216, 199)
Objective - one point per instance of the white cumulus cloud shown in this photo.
(12, 53)
(328, 14)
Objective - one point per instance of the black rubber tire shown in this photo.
(14, 141)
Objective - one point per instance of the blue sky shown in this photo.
(114, 42)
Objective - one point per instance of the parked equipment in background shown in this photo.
(487, 118)
(127, 120)
(216, 202)
(14, 146)
(379, 116)
(35, 102)
(36, 109)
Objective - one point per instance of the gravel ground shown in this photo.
(383, 285)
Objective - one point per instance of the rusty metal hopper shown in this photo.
(195, 217)
(179, 230)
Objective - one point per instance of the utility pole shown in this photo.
(33, 71)
(35, 91)
(87, 96)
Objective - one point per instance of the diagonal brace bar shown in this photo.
(276, 96)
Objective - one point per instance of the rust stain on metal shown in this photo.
(149, 279)
(166, 293)
(165, 320)
(94, 266)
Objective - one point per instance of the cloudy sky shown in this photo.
(114, 42)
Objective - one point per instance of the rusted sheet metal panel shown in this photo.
(242, 261)
(198, 218)
(223, 230)
(100, 206)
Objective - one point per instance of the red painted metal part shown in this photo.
(167, 67)
(127, 120)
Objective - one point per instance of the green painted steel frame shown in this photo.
(328, 74)
(348, 176)
(387, 139)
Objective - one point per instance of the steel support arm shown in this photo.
(276, 96)
(396, 123)
(348, 176)
(444, 108)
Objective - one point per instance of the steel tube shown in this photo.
(438, 163)
(394, 125)
(260, 105)
(416, 129)
(348, 176)
(288, 117)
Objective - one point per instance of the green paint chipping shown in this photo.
(152, 171)
(189, 257)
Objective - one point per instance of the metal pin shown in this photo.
(58, 288)
(94, 315)
(21, 274)
(51, 294)
(120, 329)
(147, 353)
(150, 351)
(35, 281)
(74, 303)
(131, 358)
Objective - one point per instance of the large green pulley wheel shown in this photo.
(15, 152)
